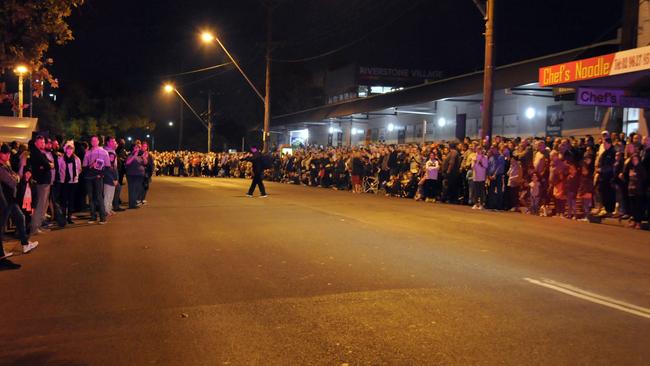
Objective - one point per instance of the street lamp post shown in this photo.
(21, 70)
(208, 37)
(169, 88)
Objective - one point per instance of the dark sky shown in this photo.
(129, 47)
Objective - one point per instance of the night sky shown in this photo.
(131, 47)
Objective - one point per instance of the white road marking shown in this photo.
(592, 297)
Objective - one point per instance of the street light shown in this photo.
(171, 123)
(208, 37)
(169, 88)
(20, 70)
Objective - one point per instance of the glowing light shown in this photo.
(171, 123)
(207, 37)
(331, 130)
(129, 138)
(530, 113)
(21, 69)
(442, 122)
(168, 88)
(148, 136)
(391, 127)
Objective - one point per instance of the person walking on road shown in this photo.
(257, 159)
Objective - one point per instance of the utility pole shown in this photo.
(267, 95)
(180, 126)
(209, 121)
(488, 71)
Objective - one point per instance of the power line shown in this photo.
(199, 70)
(340, 48)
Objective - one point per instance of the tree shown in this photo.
(26, 29)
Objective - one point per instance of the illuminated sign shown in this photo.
(599, 97)
(623, 62)
(610, 98)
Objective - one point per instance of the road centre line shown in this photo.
(592, 297)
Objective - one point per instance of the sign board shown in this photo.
(600, 97)
(397, 74)
(554, 119)
(610, 98)
(563, 91)
(637, 59)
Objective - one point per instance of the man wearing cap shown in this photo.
(9, 181)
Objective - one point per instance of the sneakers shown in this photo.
(29, 247)
(475, 207)
(249, 195)
(103, 222)
(92, 221)
(264, 196)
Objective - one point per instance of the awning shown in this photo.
(16, 129)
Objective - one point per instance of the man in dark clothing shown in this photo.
(605, 178)
(451, 173)
(42, 172)
(257, 160)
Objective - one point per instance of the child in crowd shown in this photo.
(571, 188)
(393, 186)
(535, 190)
(585, 190)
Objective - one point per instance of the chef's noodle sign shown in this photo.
(637, 59)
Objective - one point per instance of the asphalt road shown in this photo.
(206, 276)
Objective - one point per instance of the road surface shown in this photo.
(206, 276)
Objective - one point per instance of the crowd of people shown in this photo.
(574, 178)
(47, 184)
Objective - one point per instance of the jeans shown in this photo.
(109, 192)
(495, 196)
(116, 197)
(257, 181)
(637, 206)
(66, 199)
(571, 204)
(95, 191)
(145, 188)
(607, 193)
(57, 213)
(42, 198)
(479, 193)
(134, 186)
(16, 213)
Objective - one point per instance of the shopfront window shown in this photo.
(631, 120)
